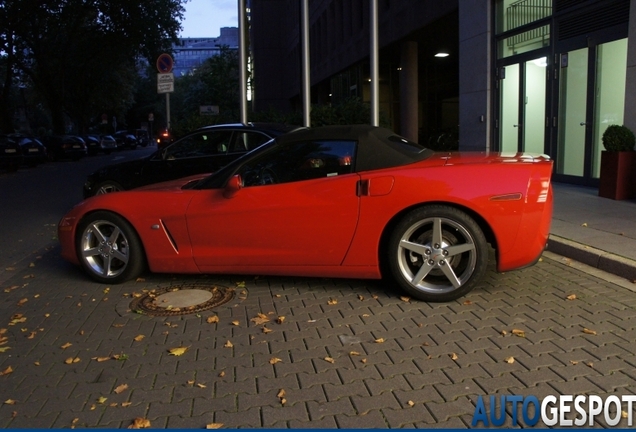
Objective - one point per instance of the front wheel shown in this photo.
(108, 248)
(437, 253)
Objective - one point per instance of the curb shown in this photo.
(597, 258)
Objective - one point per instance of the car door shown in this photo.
(297, 207)
(200, 152)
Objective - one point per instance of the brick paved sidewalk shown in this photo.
(348, 353)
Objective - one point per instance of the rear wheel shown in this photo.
(108, 186)
(108, 248)
(437, 253)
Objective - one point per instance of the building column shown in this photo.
(630, 84)
(475, 72)
(409, 119)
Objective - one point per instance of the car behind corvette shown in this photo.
(336, 201)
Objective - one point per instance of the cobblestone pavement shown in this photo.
(333, 353)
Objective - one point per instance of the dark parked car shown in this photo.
(92, 144)
(33, 151)
(203, 151)
(143, 138)
(10, 153)
(125, 139)
(64, 147)
(164, 138)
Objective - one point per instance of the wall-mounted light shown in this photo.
(442, 54)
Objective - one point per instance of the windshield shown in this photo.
(219, 178)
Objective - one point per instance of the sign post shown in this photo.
(165, 81)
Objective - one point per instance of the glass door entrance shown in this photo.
(522, 105)
(591, 97)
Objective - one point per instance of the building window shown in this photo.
(512, 14)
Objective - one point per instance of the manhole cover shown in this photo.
(182, 299)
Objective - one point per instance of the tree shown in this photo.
(80, 55)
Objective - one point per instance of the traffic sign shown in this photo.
(165, 83)
(165, 63)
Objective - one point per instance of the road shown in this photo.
(32, 201)
(288, 352)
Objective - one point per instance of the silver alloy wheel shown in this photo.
(105, 249)
(107, 188)
(437, 255)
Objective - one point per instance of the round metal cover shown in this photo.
(182, 299)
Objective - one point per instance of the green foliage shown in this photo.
(618, 138)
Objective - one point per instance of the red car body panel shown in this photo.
(333, 226)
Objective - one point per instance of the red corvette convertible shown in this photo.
(337, 201)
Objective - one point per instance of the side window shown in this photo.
(201, 144)
(300, 161)
(246, 141)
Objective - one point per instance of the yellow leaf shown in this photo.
(280, 320)
(222, 374)
(274, 360)
(503, 332)
(114, 404)
(588, 331)
(624, 414)
(23, 301)
(100, 359)
(519, 333)
(361, 297)
(201, 385)
(363, 360)
(574, 362)
(411, 403)
(330, 360)
(267, 330)
(4, 349)
(36, 363)
(121, 388)
(228, 344)
(126, 404)
(590, 364)
(283, 401)
(405, 299)
(509, 360)
(66, 345)
(72, 360)
(468, 302)
(178, 351)
(584, 224)
(571, 297)
(260, 319)
(281, 393)
(454, 356)
(139, 423)
(332, 302)
(101, 400)
(139, 338)
(7, 371)
(10, 402)
(354, 353)
(379, 340)
(214, 426)
(212, 319)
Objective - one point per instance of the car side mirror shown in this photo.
(233, 186)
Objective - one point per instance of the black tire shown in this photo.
(437, 267)
(109, 249)
(108, 186)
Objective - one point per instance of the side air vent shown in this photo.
(605, 14)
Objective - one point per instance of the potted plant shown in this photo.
(618, 164)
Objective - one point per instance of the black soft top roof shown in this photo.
(377, 147)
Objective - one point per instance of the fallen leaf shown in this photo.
(114, 404)
(411, 403)
(240, 284)
(283, 401)
(100, 359)
(332, 301)
(588, 331)
(121, 388)
(4, 349)
(178, 351)
(624, 414)
(354, 353)
(571, 297)
(330, 360)
(66, 345)
(214, 425)
(590, 364)
(503, 332)
(36, 363)
(236, 323)
(405, 299)
(574, 362)
(280, 319)
(267, 330)
(101, 400)
(126, 404)
(10, 402)
(118, 325)
(222, 374)
(7, 371)
(274, 360)
(228, 344)
(139, 423)
(23, 301)
(360, 297)
(468, 302)
(509, 360)
(201, 385)
(139, 338)
(140, 280)
(281, 393)
(379, 340)
(259, 319)
(519, 333)
(72, 360)
(363, 360)
(454, 356)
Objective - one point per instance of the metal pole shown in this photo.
(168, 111)
(375, 74)
(242, 60)
(305, 68)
